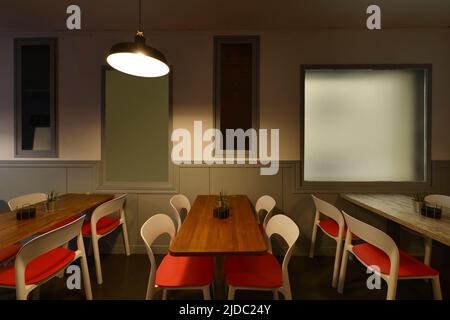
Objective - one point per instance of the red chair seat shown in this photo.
(184, 271)
(39, 268)
(331, 227)
(104, 225)
(262, 271)
(9, 252)
(408, 266)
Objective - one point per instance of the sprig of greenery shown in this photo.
(52, 196)
(419, 197)
(222, 200)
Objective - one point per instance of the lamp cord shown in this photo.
(140, 18)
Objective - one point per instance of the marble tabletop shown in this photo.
(400, 209)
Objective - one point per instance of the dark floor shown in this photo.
(126, 278)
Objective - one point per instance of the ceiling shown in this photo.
(104, 15)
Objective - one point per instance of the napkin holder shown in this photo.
(25, 213)
(221, 212)
(431, 211)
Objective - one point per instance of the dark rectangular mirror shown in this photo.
(35, 97)
(236, 83)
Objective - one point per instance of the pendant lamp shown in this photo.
(136, 58)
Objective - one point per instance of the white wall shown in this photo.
(191, 55)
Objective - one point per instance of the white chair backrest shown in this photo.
(329, 210)
(285, 227)
(26, 200)
(155, 226)
(108, 208)
(179, 202)
(266, 203)
(374, 237)
(45, 243)
(439, 199)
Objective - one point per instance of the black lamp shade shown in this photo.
(138, 59)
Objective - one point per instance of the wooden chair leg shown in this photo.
(337, 262)
(428, 244)
(125, 239)
(98, 266)
(392, 290)
(343, 271)
(21, 294)
(231, 292)
(437, 293)
(149, 294)
(86, 279)
(287, 293)
(313, 241)
(84, 268)
(206, 293)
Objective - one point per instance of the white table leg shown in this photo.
(427, 255)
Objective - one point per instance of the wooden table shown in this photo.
(203, 234)
(67, 206)
(399, 208)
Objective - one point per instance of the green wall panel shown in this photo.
(136, 128)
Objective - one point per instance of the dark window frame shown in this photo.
(255, 42)
(18, 151)
(378, 186)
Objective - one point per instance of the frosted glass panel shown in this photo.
(136, 128)
(365, 125)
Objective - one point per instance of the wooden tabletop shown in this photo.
(203, 234)
(67, 206)
(399, 208)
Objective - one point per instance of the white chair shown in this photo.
(102, 223)
(334, 227)
(42, 259)
(380, 253)
(266, 203)
(174, 272)
(179, 202)
(26, 200)
(263, 272)
(8, 253)
(31, 199)
(443, 201)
